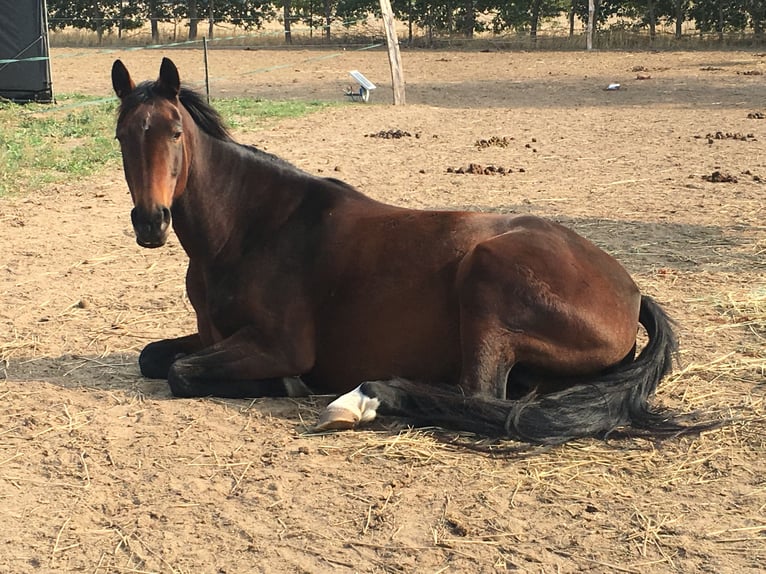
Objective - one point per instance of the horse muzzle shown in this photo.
(151, 227)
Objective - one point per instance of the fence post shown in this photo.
(207, 73)
(397, 75)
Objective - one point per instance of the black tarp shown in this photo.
(25, 71)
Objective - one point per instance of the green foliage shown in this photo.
(243, 13)
(438, 17)
(352, 11)
(519, 15)
(97, 15)
(719, 15)
(433, 16)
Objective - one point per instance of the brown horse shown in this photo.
(506, 326)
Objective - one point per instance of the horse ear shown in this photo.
(169, 83)
(122, 83)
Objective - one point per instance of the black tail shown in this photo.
(615, 399)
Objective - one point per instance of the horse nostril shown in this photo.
(165, 216)
(152, 223)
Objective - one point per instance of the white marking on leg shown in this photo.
(363, 407)
(348, 410)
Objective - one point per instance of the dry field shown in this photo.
(102, 471)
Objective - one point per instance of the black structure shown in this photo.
(25, 71)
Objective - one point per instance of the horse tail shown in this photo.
(616, 398)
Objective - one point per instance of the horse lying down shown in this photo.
(501, 325)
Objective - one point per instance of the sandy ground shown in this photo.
(101, 471)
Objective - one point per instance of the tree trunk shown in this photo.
(287, 8)
(327, 18)
(154, 21)
(409, 22)
(535, 19)
(470, 18)
(571, 19)
(679, 18)
(652, 20)
(211, 20)
(430, 24)
(719, 26)
(757, 11)
(591, 26)
(192, 4)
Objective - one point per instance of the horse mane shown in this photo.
(203, 114)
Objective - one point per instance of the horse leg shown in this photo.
(241, 366)
(488, 355)
(157, 357)
(487, 359)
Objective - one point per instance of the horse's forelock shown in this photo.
(206, 118)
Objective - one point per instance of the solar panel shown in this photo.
(364, 82)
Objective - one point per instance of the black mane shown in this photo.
(206, 118)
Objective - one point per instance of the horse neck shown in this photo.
(228, 192)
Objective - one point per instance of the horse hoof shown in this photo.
(336, 418)
(347, 411)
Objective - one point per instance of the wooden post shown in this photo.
(397, 75)
(207, 72)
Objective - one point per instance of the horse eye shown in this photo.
(177, 135)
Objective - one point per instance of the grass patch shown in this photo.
(245, 113)
(42, 144)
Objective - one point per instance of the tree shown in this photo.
(352, 11)
(719, 16)
(287, 5)
(211, 19)
(756, 9)
(526, 15)
(328, 11)
(193, 18)
(445, 17)
(99, 16)
(154, 18)
(681, 8)
(647, 13)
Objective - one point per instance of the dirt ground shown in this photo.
(101, 471)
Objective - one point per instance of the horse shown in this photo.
(506, 326)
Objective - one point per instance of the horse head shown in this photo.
(154, 132)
